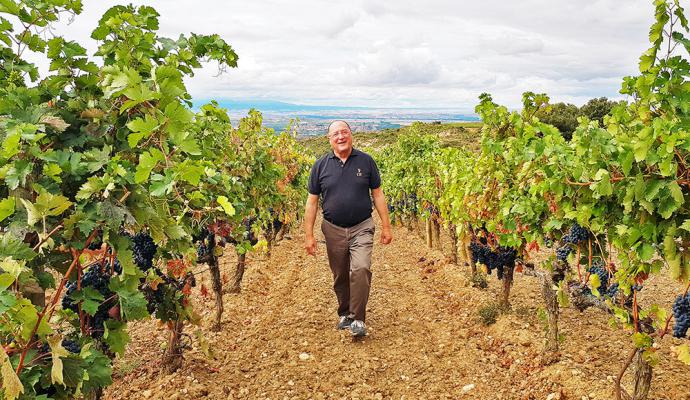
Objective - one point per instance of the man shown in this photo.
(343, 179)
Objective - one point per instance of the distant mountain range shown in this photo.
(270, 105)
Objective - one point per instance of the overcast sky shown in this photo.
(435, 53)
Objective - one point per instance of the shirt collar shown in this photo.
(354, 153)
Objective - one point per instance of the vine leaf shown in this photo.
(91, 299)
(683, 353)
(147, 162)
(46, 205)
(116, 336)
(57, 351)
(11, 384)
(7, 207)
(227, 206)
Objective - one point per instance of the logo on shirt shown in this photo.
(359, 172)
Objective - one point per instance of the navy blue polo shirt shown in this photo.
(344, 187)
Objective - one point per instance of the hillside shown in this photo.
(460, 134)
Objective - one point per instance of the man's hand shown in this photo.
(386, 235)
(310, 245)
(309, 220)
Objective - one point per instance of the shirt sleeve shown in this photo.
(314, 187)
(374, 177)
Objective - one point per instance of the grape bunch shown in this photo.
(249, 232)
(612, 290)
(563, 252)
(496, 259)
(165, 299)
(202, 249)
(70, 345)
(681, 315)
(144, 250)
(277, 224)
(97, 277)
(576, 234)
(599, 270)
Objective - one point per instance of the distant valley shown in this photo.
(314, 120)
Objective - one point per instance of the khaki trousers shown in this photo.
(349, 256)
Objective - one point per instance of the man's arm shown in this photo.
(382, 209)
(309, 221)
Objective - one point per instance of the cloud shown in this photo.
(512, 42)
(393, 66)
(376, 53)
(333, 28)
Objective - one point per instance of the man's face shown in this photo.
(340, 137)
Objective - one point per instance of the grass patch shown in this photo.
(478, 280)
(488, 314)
(125, 366)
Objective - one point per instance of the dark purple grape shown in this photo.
(681, 316)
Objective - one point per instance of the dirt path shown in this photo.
(425, 342)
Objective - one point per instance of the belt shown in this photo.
(346, 226)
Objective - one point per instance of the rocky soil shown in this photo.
(425, 338)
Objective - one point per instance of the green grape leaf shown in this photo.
(91, 299)
(53, 171)
(93, 185)
(595, 283)
(7, 207)
(175, 232)
(15, 248)
(99, 369)
(191, 173)
(46, 205)
(9, 7)
(27, 314)
(124, 254)
(141, 128)
(226, 205)
(10, 146)
(116, 336)
(647, 60)
(686, 225)
(147, 162)
(132, 301)
(642, 340)
(17, 173)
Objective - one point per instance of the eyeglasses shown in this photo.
(344, 133)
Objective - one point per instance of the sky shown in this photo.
(403, 53)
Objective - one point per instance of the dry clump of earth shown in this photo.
(425, 338)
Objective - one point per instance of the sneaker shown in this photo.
(358, 329)
(344, 322)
